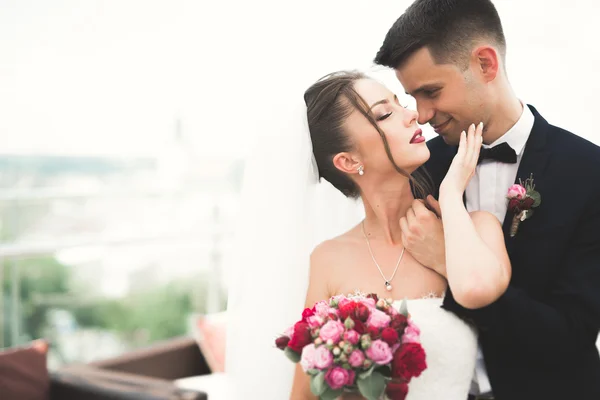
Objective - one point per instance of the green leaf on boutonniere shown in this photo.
(317, 384)
(373, 386)
(537, 199)
(331, 394)
(292, 355)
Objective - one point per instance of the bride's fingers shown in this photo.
(478, 143)
(460, 155)
(470, 142)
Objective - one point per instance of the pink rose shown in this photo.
(378, 319)
(516, 191)
(314, 321)
(337, 377)
(380, 352)
(322, 309)
(356, 358)
(351, 376)
(323, 357)
(307, 361)
(411, 333)
(369, 302)
(332, 330)
(351, 337)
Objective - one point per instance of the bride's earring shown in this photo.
(361, 170)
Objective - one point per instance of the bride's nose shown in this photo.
(411, 117)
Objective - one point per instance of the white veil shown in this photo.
(285, 212)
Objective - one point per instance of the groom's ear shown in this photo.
(346, 163)
(487, 61)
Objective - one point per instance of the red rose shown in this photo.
(308, 312)
(390, 336)
(396, 390)
(374, 332)
(359, 327)
(514, 205)
(362, 312)
(347, 310)
(527, 203)
(399, 323)
(301, 337)
(333, 316)
(373, 296)
(282, 342)
(409, 361)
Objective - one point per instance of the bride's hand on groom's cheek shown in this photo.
(423, 235)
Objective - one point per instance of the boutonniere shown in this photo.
(522, 198)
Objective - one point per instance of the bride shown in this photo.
(369, 147)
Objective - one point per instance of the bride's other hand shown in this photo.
(464, 163)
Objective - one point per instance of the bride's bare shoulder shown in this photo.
(335, 248)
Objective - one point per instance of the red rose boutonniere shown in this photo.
(522, 198)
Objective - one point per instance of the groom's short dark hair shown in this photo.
(447, 28)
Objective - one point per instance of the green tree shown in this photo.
(38, 277)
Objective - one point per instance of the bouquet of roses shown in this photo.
(359, 344)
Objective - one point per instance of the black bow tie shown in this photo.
(502, 153)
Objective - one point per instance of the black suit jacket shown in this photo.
(538, 339)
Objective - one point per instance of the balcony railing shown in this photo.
(212, 239)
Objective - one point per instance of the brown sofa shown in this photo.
(141, 374)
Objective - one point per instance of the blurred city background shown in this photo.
(123, 142)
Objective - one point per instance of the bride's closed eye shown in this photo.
(385, 116)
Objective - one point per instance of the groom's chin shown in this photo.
(449, 140)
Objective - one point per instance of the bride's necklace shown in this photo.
(388, 285)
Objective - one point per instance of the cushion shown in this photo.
(24, 372)
(210, 333)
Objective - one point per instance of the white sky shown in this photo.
(110, 77)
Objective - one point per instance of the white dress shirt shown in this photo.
(487, 192)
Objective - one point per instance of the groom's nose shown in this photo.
(426, 113)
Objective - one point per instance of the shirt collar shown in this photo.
(517, 136)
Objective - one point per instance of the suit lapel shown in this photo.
(535, 158)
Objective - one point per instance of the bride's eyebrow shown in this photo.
(384, 101)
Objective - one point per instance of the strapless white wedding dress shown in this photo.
(451, 351)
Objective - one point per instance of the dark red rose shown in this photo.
(308, 312)
(514, 205)
(359, 327)
(362, 312)
(282, 342)
(373, 296)
(390, 336)
(347, 310)
(333, 316)
(409, 361)
(374, 332)
(527, 203)
(399, 323)
(300, 338)
(396, 390)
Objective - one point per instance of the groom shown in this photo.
(538, 339)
